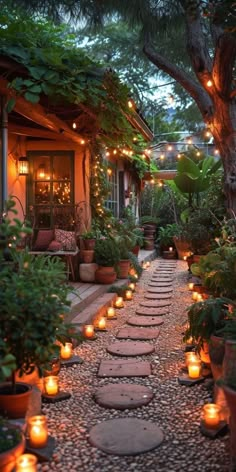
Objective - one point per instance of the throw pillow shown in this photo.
(55, 246)
(43, 239)
(67, 238)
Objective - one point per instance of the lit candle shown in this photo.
(128, 294)
(194, 296)
(89, 331)
(148, 264)
(190, 357)
(119, 302)
(135, 276)
(51, 384)
(185, 258)
(190, 285)
(189, 341)
(101, 323)
(66, 351)
(111, 312)
(199, 297)
(26, 463)
(170, 249)
(211, 415)
(38, 431)
(132, 286)
(194, 369)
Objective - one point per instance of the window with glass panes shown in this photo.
(50, 189)
(112, 201)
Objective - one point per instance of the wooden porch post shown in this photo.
(4, 153)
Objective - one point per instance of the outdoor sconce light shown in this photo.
(23, 166)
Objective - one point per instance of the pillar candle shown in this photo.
(66, 351)
(194, 369)
(89, 331)
(51, 384)
(111, 313)
(101, 323)
(26, 463)
(128, 294)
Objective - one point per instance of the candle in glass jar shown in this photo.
(111, 313)
(101, 323)
(51, 384)
(194, 369)
(128, 294)
(132, 286)
(119, 302)
(148, 264)
(189, 341)
(26, 463)
(170, 249)
(199, 297)
(38, 431)
(194, 296)
(190, 357)
(211, 415)
(89, 331)
(190, 285)
(66, 351)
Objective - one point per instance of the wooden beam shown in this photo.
(37, 114)
(34, 132)
(161, 175)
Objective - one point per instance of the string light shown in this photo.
(209, 83)
(82, 141)
(189, 141)
(162, 157)
(115, 151)
(130, 104)
(216, 151)
(152, 181)
(170, 147)
(107, 154)
(74, 125)
(109, 171)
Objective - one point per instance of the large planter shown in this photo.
(14, 405)
(87, 255)
(204, 353)
(123, 268)
(8, 458)
(87, 272)
(149, 244)
(182, 247)
(105, 275)
(230, 395)
(216, 353)
(89, 244)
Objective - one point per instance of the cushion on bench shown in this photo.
(66, 238)
(43, 239)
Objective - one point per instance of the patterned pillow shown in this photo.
(43, 239)
(67, 238)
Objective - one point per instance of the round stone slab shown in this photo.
(155, 303)
(126, 436)
(161, 279)
(157, 296)
(146, 311)
(130, 348)
(122, 396)
(160, 289)
(160, 284)
(145, 321)
(138, 333)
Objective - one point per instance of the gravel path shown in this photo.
(175, 408)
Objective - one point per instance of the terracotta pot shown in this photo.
(89, 243)
(229, 363)
(204, 353)
(230, 395)
(88, 256)
(123, 268)
(182, 247)
(216, 353)
(105, 275)
(169, 255)
(189, 261)
(8, 458)
(135, 250)
(148, 244)
(196, 258)
(14, 405)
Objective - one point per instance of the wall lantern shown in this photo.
(23, 166)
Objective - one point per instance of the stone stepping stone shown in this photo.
(157, 296)
(156, 303)
(130, 348)
(145, 311)
(164, 280)
(138, 333)
(168, 264)
(124, 368)
(126, 436)
(145, 321)
(122, 396)
(164, 272)
(159, 284)
(160, 289)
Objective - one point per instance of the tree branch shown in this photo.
(191, 86)
(225, 55)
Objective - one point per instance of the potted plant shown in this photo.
(106, 256)
(165, 236)
(12, 445)
(89, 238)
(138, 240)
(33, 297)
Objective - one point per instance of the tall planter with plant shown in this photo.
(106, 256)
(33, 297)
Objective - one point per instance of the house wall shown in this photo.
(17, 184)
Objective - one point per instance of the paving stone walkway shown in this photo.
(129, 413)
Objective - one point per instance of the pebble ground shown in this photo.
(175, 408)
